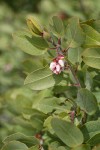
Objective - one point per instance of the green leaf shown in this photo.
(88, 81)
(74, 33)
(57, 26)
(67, 132)
(34, 148)
(91, 57)
(34, 26)
(97, 95)
(20, 104)
(47, 105)
(37, 121)
(74, 55)
(90, 129)
(38, 42)
(33, 64)
(87, 101)
(42, 79)
(14, 145)
(95, 140)
(96, 25)
(92, 37)
(56, 146)
(62, 148)
(28, 140)
(82, 147)
(47, 124)
(25, 125)
(22, 41)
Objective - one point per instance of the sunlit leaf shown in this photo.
(92, 57)
(67, 132)
(42, 79)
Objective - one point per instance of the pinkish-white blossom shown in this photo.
(61, 62)
(57, 65)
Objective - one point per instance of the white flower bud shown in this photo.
(61, 63)
(52, 65)
(57, 67)
(56, 72)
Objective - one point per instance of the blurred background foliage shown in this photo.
(12, 18)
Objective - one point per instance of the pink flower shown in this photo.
(57, 65)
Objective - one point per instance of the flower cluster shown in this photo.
(57, 65)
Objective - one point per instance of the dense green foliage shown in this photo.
(51, 111)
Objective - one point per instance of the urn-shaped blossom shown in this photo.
(57, 65)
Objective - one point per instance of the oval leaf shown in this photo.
(42, 79)
(92, 37)
(74, 33)
(82, 147)
(57, 26)
(87, 101)
(28, 140)
(74, 55)
(91, 57)
(95, 140)
(34, 148)
(38, 42)
(67, 132)
(14, 145)
(90, 129)
(21, 40)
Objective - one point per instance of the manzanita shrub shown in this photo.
(63, 72)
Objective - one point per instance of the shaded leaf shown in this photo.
(34, 148)
(87, 101)
(37, 121)
(74, 33)
(56, 146)
(90, 129)
(24, 44)
(88, 81)
(38, 42)
(14, 145)
(28, 140)
(82, 147)
(95, 140)
(74, 55)
(30, 65)
(47, 105)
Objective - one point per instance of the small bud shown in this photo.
(34, 26)
(52, 65)
(58, 68)
(56, 72)
(61, 63)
